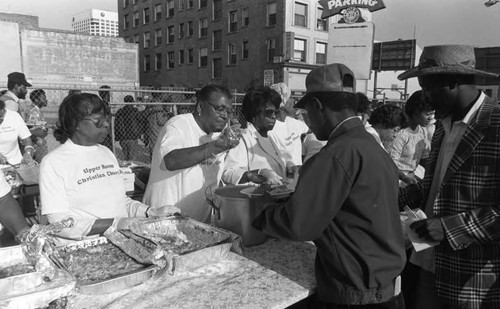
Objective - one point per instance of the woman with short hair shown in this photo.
(257, 158)
(411, 146)
(387, 120)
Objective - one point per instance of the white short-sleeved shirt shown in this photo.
(83, 181)
(409, 147)
(183, 188)
(12, 128)
(287, 136)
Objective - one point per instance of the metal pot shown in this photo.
(235, 212)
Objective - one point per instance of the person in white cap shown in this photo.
(346, 201)
(460, 192)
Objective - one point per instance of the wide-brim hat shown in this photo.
(446, 59)
(335, 77)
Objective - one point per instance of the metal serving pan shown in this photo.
(209, 244)
(29, 290)
(114, 284)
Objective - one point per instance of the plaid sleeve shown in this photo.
(481, 225)
(411, 196)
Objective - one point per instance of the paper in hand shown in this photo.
(418, 243)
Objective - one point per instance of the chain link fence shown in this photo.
(138, 114)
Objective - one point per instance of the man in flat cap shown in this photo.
(345, 201)
(16, 85)
(460, 192)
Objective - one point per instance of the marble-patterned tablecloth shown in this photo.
(275, 274)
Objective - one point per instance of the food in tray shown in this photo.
(278, 190)
(97, 263)
(16, 270)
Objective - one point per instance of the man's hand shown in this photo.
(409, 179)
(429, 229)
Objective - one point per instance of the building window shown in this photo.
(147, 63)
(190, 28)
(158, 37)
(182, 5)
(321, 24)
(157, 61)
(217, 68)
(145, 15)
(244, 48)
(271, 14)
(181, 56)
(181, 30)
(203, 4)
(320, 53)
(170, 8)
(299, 50)
(271, 48)
(171, 60)
(300, 14)
(203, 27)
(217, 40)
(190, 3)
(217, 9)
(170, 34)
(231, 54)
(125, 22)
(203, 57)
(125, 3)
(147, 39)
(245, 20)
(190, 55)
(157, 12)
(136, 38)
(233, 21)
(136, 19)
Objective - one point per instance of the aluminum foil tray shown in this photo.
(207, 244)
(29, 290)
(114, 283)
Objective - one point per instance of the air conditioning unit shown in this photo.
(278, 59)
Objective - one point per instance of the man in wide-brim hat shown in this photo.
(460, 193)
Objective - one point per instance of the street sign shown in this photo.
(352, 45)
(268, 77)
(394, 55)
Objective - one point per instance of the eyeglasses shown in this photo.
(99, 122)
(219, 109)
(270, 113)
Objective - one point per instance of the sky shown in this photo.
(430, 21)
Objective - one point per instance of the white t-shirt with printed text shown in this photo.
(183, 188)
(287, 136)
(12, 128)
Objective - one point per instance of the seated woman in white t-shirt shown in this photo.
(188, 154)
(257, 158)
(81, 179)
(12, 129)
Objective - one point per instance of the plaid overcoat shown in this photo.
(468, 202)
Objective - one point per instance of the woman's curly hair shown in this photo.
(388, 116)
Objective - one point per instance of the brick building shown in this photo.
(238, 43)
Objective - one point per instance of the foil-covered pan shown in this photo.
(27, 288)
(116, 282)
(187, 243)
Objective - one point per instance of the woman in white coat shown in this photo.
(257, 157)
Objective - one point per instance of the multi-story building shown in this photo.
(238, 43)
(96, 22)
